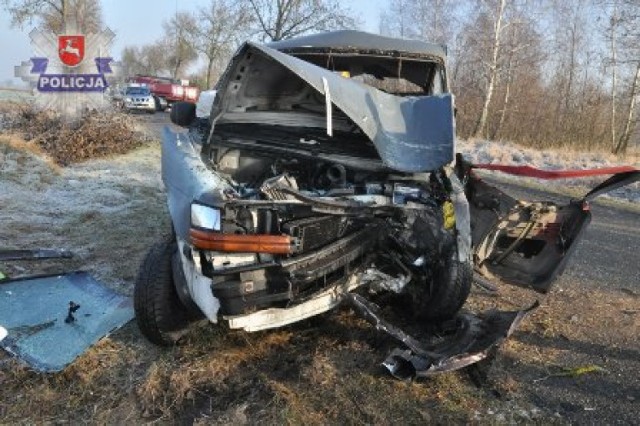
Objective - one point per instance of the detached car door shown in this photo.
(528, 243)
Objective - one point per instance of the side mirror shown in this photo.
(183, 113)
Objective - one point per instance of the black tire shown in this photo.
(160, 315)
(450, 290)
(158, 104)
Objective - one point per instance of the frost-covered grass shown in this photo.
(106, 211)
(15, 95)
(492, 152)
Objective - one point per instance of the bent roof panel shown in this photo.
(350, 39)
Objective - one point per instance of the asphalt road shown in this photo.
(596, 306)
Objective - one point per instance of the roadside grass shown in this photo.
(482, 151)
(16, 156)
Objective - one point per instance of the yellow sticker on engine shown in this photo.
(449, 215)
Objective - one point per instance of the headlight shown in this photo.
(128, 99)
(205, 217)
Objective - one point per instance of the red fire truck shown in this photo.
(167, 90)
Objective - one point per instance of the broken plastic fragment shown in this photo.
(474, 339)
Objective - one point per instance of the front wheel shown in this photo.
(449, 291)
(160, 315)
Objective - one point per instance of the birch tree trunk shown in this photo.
(493, 71)
(505, 101)
(613, 73)
(629, 126)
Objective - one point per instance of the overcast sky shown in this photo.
(137, 22)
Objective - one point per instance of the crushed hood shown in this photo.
(410, 133)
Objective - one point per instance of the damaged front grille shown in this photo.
(315, 232)
(292, 279)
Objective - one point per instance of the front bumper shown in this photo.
(270, 295)
(140, 106)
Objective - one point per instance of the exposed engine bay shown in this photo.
(330, 220)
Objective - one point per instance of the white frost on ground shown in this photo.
(88, 205)
(492, 152)
(16, 95)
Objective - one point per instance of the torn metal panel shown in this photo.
(472, 340)
(51, 320)
(198, 285)
(616, 181)
(410, 134)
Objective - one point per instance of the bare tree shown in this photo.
(150, 59)
(221, 25)
(629, 25)
(57, 16)
(629, 124)
(614, 21)
(428, 20)
(398, 19)
(130, 60)
(493, 63)
(180, 36)
(280, 19)
(520, 62)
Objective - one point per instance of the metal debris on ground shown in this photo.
(35, 254)
(469, 340)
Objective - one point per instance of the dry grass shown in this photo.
(307, 374)
(16, 156)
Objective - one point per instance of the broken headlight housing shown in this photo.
(205, 217)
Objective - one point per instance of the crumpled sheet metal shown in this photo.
(475, 338)
(411, 133)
